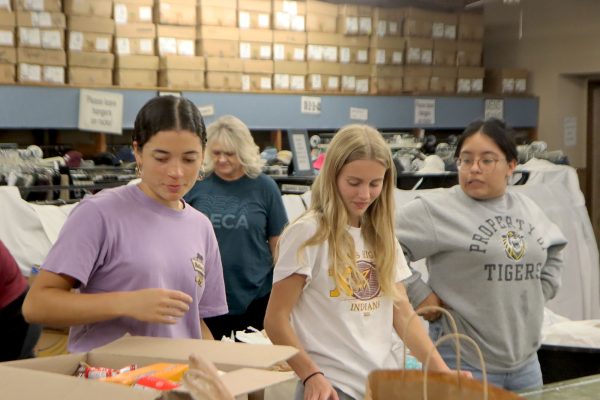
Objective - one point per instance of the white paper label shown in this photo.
(244, 19)
(397, 57)
(330, 53)
(265, 52)
(315, 81)
(365, 25)
(75, 41)
(30, 73)
(265, 83)
(297, 82)
(413, 55)
(359, 114)
(100, 111)
(477, 85)
(7, 38)
(146, 46)
(426, 56)
(207, 110)
(43, 19)
(380, 56)
(425, 111)
(186, 48)
(290, 7)
(450, 32)
(282, 21)
(278, 52)
(34, 5)
(245, 50)
(52, 39)
(508, 85)
(362, 85)
(520, 85)
(30, 37)
(282, 81)
(494, 108)
(344, 55)
(570, 131)
(351, 25)
(298, 54)
(5, 5)
(54, 74)
(167, 46)
(463, 85)
(348, 82)
(310, 105)
(297, 23)
(381, 28)
(120, 14)
(315, 52)
(393, 28)
(264, 21)
(123, 46)
(333, 82)
(145, 14)
(102, 44)
(437, 30)
(246, 82)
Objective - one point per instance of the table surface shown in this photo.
(586, 388)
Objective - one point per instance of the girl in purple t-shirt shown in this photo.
(143, 261)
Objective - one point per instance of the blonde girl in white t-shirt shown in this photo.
(338, 289)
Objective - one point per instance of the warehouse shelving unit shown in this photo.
(33, 107)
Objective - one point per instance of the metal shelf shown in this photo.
(33, 107)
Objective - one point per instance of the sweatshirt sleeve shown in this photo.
(415, 230)
(551, 272)
(416, 289)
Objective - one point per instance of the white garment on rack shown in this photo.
(28, 231)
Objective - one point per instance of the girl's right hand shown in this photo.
(319, 388)
(161, 306)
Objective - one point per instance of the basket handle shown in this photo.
(457, 337)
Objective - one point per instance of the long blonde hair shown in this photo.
(351, 143)
(233, 135)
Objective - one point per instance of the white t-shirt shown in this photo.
(347, 334)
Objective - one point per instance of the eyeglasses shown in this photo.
(484, 164)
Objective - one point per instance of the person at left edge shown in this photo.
(144, 261)
(247, 213)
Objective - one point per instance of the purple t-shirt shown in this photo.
(122, 240)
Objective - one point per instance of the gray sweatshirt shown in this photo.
(494, 263)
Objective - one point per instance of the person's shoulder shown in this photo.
(266, 180)
(108, 198)
(306, 225)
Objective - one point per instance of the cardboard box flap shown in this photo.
(18, 383)
(248, 380)
(225, 355)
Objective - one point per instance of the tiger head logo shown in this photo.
(514, 245)
(198, 265)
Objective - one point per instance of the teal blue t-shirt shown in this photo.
(244, 213)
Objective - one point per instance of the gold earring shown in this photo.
(138, 171)
(201, 174)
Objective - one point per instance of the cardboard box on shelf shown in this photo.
(8, 55)
(257, 82)
(7, 73)
(254, 14)
(182, 63)
(444, 25)
(41, 38)
(419, 51)
(443, 79)
(175, 12)
(89, 8)
(470, 26)
(470, 80)
(128, 11)
(217, 15)
(417, 23)
(386, 79)
(355, 78)
(218, 48)
(468, 53)
(39, 5)
(7, 19)
(178, 40)
(91, 24)
(89, 41)
(135, 39)
(41, 57)
(136, 30)
(179, 78)
(387, 50)
(323, 76)
(322, 46)
(41, 20)
(506, 80)
(218, 33)
(256, 44)
(91, 59)
(354, 49)
(355, 19)
(138, 78)
(89, 76)
(416, 78)
(224, 64)
(137, 62)
(257, 66)
(444, 52)
(223, 80)
(34, 73)
(321, 16)
(387, 21)
(289, 15)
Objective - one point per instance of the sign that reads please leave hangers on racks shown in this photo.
(100, 111)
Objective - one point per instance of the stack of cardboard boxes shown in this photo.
(289, 42)
(387, 51)
(176, 41)
(8, 54)
(355, 25)
(40, 41)
(136, 62)
(323, 70)
(90, 33)
(468, 54)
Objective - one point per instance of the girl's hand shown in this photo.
(319, 388)
(162, 306)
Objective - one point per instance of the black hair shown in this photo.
(166, 113)
(496, 130)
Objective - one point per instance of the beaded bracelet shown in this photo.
(310, 376)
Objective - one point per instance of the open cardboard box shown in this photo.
(51, 377)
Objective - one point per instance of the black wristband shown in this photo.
(310, 376)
